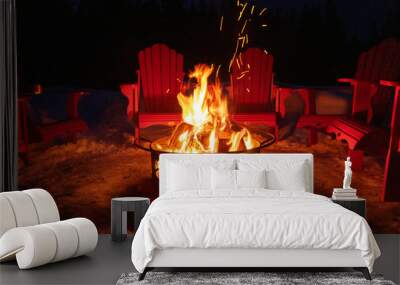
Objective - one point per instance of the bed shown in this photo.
(246, 211)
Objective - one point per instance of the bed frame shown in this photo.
(246, 258)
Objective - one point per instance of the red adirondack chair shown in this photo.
(380, 62)
(391, 189)
(152, 100)
(71, 126)
(251, 89)
(370, 100)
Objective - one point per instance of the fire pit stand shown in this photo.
(148, 145)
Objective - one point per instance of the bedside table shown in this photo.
(357, 205)
(119, 208)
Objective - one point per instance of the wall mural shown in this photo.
(111, 86)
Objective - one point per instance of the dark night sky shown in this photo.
(94, 43)
(357, 14)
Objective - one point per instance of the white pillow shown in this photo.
(251, 178)
(182, 177)
(288, 175)
(292, 180)
(223, 179)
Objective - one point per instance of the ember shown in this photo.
(205, 125)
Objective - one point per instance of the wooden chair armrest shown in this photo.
(390, 83)
(346, 80)
(72, 103)
(131, 92)
(355, 82)
(128, 89)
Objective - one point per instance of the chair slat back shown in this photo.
(395, 124)
(391, 177)
(251, 80)
(161, 76)
(381, 62)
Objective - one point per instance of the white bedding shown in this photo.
(251, 218)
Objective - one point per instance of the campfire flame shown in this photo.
(205, 125)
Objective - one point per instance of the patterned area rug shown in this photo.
(231, 278)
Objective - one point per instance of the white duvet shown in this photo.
(252, 218)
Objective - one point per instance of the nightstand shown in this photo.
(119, 208)
(357, 205)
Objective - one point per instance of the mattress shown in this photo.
(250, 219)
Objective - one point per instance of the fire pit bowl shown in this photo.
(161, 145)
(265, 139)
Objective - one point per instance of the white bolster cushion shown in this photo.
(67, 240)
(87, 234)
(45, 205)
(7, 218)
(32, 246)
(40, 244)
(23, 209)
(26, 208)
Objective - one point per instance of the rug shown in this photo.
(243, 278)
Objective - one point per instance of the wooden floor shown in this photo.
(106, 264)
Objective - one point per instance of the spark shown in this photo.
(217, 72)
(230, 64)
(234, 55)
(244, 26)
(167, 90)
(243, 39)
(237, 62)
(262, 11)
(241, 12)
(242, 74)
(247, 39)
(221, 23)
(264, 25)
(248, 66)
(248, 90)
(265, 51)
(252, 9)
(240, 59)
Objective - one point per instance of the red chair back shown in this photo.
(381, 62)
(160, 77)
(391, 188)
(251, 81)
